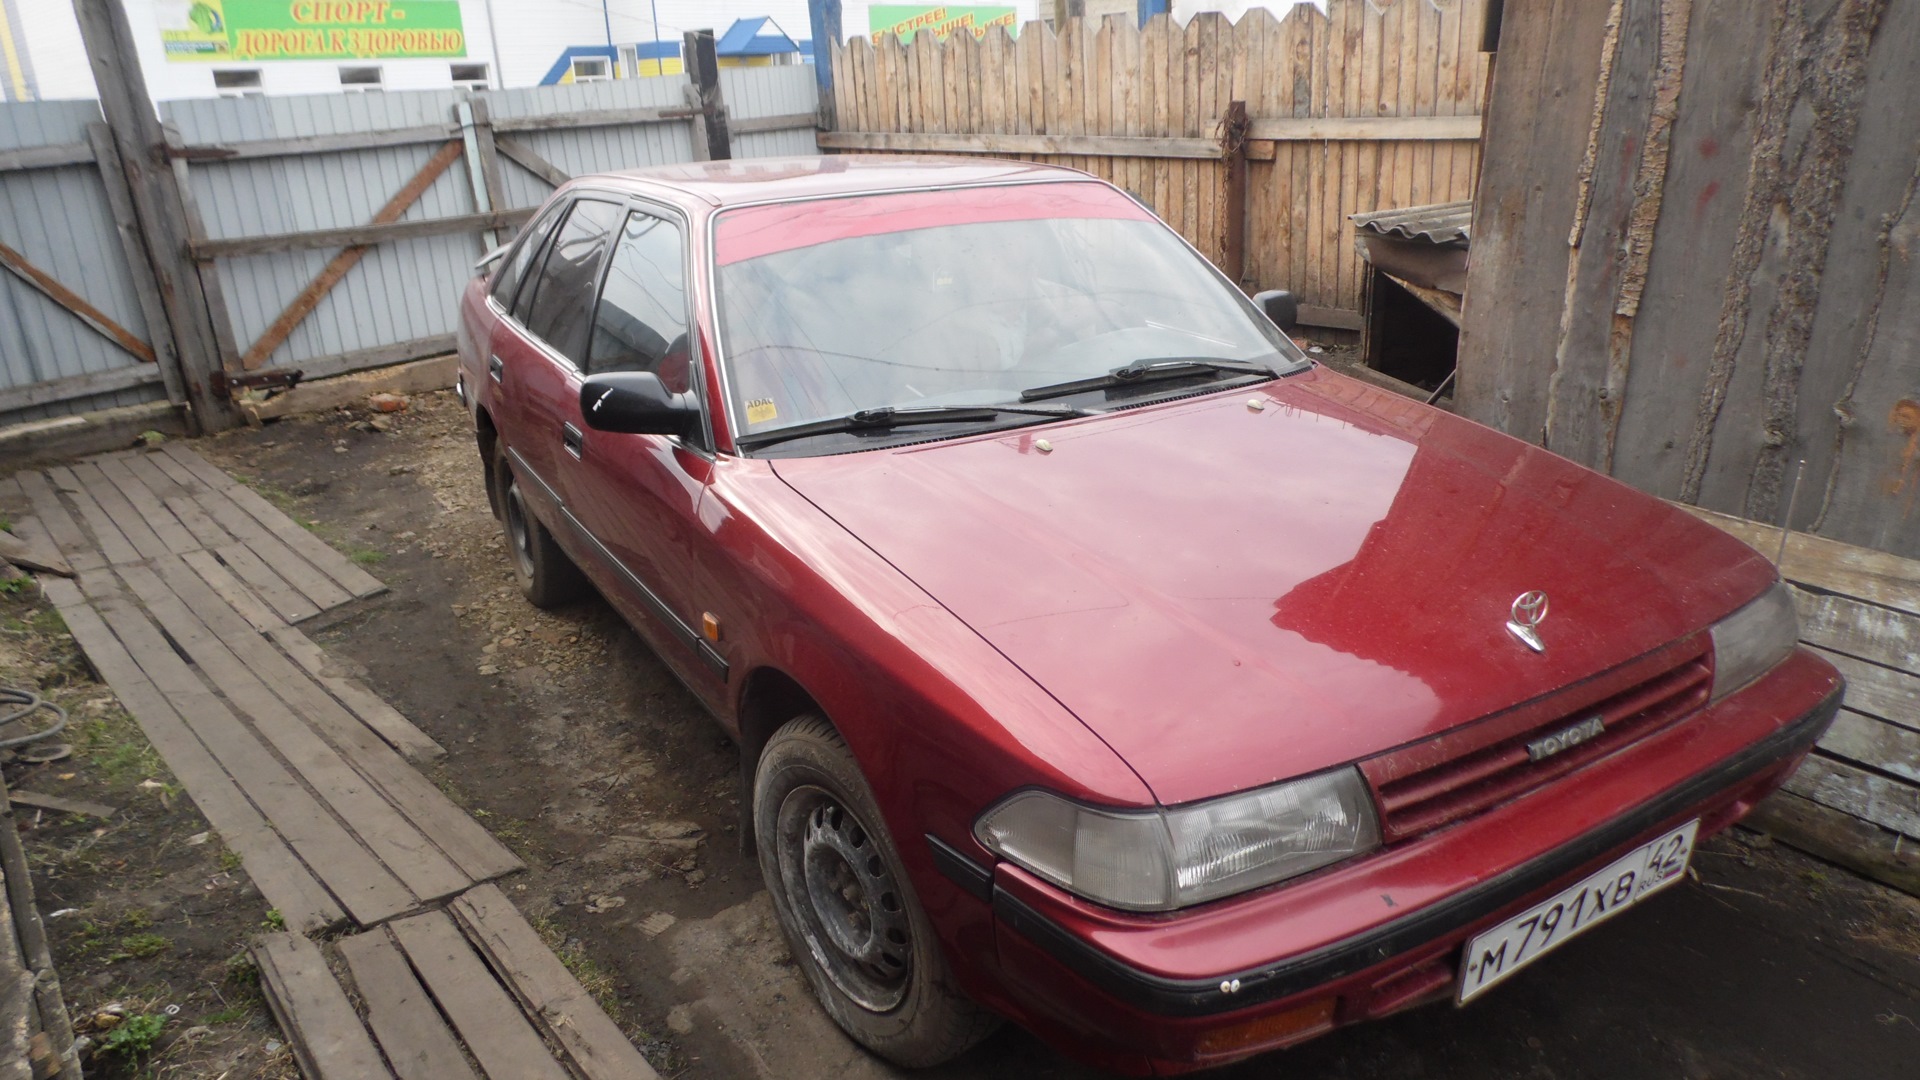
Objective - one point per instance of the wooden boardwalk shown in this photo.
(185, 600)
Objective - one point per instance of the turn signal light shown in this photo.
(1268, 1032)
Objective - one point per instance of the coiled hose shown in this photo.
(27, 704)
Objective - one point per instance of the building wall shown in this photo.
(533, 36)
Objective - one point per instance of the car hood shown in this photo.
(1243, 587)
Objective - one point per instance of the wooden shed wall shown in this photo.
(1694, 253)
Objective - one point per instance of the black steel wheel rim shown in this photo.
(850, 909)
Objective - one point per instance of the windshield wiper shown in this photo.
(890, 417)
(1142, 371)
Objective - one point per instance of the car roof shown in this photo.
(753, 180)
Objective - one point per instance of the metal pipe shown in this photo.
(1786, 527)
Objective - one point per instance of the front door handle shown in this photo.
(572, 439)
(495, 367)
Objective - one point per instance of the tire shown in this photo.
(547, 578)
(850, 915)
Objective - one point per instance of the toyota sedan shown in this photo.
(1098, 660)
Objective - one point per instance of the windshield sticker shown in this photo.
(761, 410)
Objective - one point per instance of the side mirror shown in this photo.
(1280, 306)
(636, 403)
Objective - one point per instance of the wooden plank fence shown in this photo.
(1369, 105)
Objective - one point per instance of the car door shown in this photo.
(541, 376)
(639, 495)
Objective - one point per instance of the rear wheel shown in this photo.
(850, 916)
(547, 578)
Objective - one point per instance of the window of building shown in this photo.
(240, 83)
(629, 61)
(591, 69)
(471, 76)
(361, 78)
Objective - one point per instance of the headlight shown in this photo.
(1747, 643)
(1158, 860)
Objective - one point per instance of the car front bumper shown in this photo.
(1161, 994)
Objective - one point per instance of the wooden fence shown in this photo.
(1370, 105)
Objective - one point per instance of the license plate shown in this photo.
(1505, 949)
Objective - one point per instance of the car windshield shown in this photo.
(968, 298)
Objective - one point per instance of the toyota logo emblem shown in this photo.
(1528, 611)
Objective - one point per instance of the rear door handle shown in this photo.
(495, 367)
(572, 439)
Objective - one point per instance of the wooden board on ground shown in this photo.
(385, 720)
(288, 885)
(411, 1032)
(39, 800)
(314, 1012)
(486, 1016)
(592, 1042)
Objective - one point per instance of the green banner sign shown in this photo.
(907, 20)
(230, 30)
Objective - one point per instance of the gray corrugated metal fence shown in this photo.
(58, 219)
(243, 181)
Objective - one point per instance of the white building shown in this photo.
(204, 48)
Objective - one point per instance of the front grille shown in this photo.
(1422, 787)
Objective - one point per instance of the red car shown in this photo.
(1097, 659)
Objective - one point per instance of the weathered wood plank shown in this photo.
(469, 846)
(550, 994)
(361, 360)
(1882, 635)
(486, 1016)
(1367, 128)
(1879, 691)
(368, 891)
(385, 720)
(596, 118)
(107, 538)
(1839, 837)
(165, 526)
(40, 800)
(204, 529)
(313, 1011)
(1828, 565)
(310, 547)
(357, 235)
(527, 158)
(759, 124)
(308, 581)
(1091, 145)
(300, 146)
(52, 515)
(129, 521)
(229, 588)
(45, 157)
(284, 599)
(1874, 743)
(182, 603)
(1865, 795)
(281, 878)
(76, 305)
(411, 1032)
(73, 387)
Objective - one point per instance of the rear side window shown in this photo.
(641, 323)
(563, 291)
(516, 267)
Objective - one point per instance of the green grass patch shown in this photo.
(274, 920)
(365, 556)
(115, 745)
(141, 946)
(596, 980)
(134, 1037)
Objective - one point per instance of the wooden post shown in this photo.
(1233, 141)
(483, 160)
(823, 18)
(139, 266)
(157, 205)
(703, 71)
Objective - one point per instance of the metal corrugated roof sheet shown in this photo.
(1439, 223)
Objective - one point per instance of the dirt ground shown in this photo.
(577, 747)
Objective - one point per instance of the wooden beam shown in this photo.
(595, 118)
(114, 58)
(703, 74)
(1233, 137)
(45, 157)
(398, 352)
(523, 155)
(113, 177)
(1332, 318)
(96, 320)
(1367, 128)
(254, 149)
(337, 267)
(1139, 146)
(758, 125)
(358, 235)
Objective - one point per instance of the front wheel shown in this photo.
(849, 914)
(547, 578)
